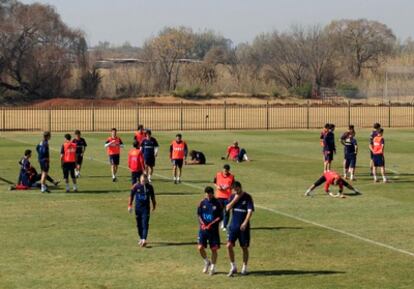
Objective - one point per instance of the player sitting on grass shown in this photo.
(209, 215)
(143, 193)
(235, 153)
(332, 178)
(197, 158)
(28, 176)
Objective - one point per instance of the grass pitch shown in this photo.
(88, 240)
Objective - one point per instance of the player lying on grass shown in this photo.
(28, 176)
(332, 178)
(235, 153)
(143, 193)
(196, 158)
(209, 214)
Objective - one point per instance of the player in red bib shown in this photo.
(332, 178)
(223, 182)
(136, 163)
(235, 153)
(140, 134)
(377, 149)
(68, 159)
(113, 147)
(178, 155)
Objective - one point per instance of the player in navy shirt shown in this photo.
(374, 133)
(242, 207)
(350, 155)
(149, 148)
(80, 151)
(328, 142)
(143, 193)
(209, 214)
(44, 159)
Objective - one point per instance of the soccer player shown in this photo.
(178, 154)
(209, 214)
(235, 153)
(241, 207)
(44, 160)
(68, 158)
(329, 148)
(113, 147)
(136, 163)
(140, 134)
(374, 133)
(197, 158)
(143, 193)
(80, 151)
(377, 149)
(350, 152)
(223, 182)
(332, 178)
(149, 147)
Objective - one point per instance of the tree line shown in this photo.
(41, 57)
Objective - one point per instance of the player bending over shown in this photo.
(241, 207)
(143, 193)
(197, 158)
(209, 215)
(332, 178)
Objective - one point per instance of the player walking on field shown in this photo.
(136, 163)
(68, 159)
(377, 149)
(149, 147)
(241, 207)
(143, 193)
(209, 214)
(80, 151)
(223, 182)
(140, 134)
(43, 155)
(113, 147)
(178, 155)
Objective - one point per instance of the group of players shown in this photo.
(348, 140)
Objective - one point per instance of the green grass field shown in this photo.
(88, 240)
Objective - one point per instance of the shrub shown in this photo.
(348, 90)
(189, 92)
(304, 90)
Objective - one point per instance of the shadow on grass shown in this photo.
(172, 244)
(276, 228)
(97, 191)
(176, 194)
(293, 272)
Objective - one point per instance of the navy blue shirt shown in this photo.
(239, 210)
(350, 144)
(80, 145)
(374, 133)
(142, 194)
(329, 142)
(43, 150)
(209, 210)
(148, 147)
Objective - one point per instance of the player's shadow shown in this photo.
(275, 228)
(172, 244)
(294, 272)
(97, 192)
(177, 193)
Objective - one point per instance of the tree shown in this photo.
(363, 43)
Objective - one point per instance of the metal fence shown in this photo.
(204, 117)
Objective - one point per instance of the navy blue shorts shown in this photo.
(178, 163)
(236, 234)
(79, 159)
(328, 156)
(378, 160)
(350, 161)
(212, 237)
(44, 165)
(68, 169)
(371, 155)
(149, 161)
(114, 159)
(135, 176)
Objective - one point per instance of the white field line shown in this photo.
(379, 244)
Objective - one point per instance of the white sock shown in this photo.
(233, 265)
(384, 178)
(375, 178)
(244, 268)
(43, 188)
(113, 176)
(67, 187)
(75, 187)
(213, 266)
(245, 157)
(206, 261)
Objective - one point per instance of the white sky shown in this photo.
(134, 21)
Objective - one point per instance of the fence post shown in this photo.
(225, 116)
(349, 112)
(49, 119)
(389, 113)
(308, 115)
(267, 115)
(181, 115)
(93, 117)
(4, 118)
(137, 115)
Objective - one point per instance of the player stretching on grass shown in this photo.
(377, 149)
(241, 207)
(209, 215)
(178, 154)
(332, 178)
(80, 151)
(44, 160)
(113, 147)
(68, 158)
(143, 193)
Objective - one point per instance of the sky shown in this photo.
(134, 21)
